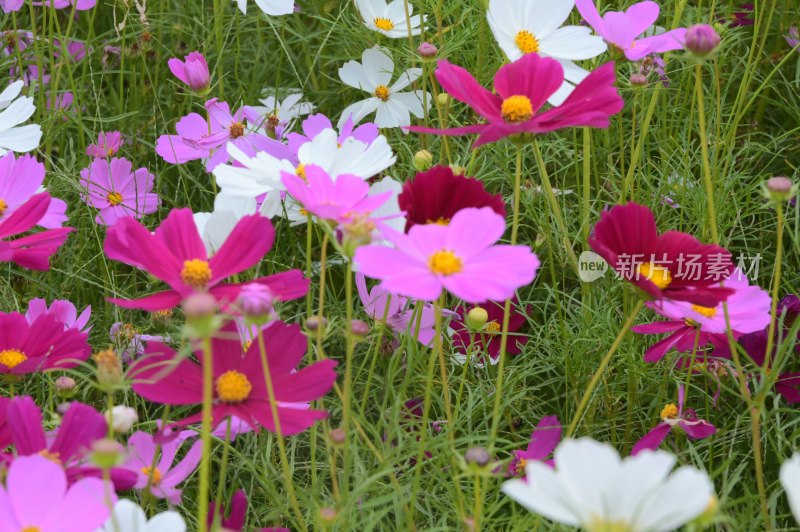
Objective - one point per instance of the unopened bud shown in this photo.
(109, 367)
(702, 39)
(200, 305)
(107, 453)
(780, 188)
(161, 317)
(458, 169)
(122, 418)
(477, 318)
(315, 323)
(477, 456)
(65, 386)
(423, 160)
(427, 51)
(359, 328)
(338, 436)
(638, 80)
(327, 515)
(443, 99)
(256, 302)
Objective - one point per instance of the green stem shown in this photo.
(701, 124)
(205, 434)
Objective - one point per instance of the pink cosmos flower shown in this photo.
(193, 71)
(237, 514)
(36, 498)
(32, 251)
(672, 417)
(5, 430)
(201, 139)
(39, 346)
(80, 5)
(316, 124)
(522, 88)
(163, 479)
(163, 376)
(175, 254)
(82, 425)
(117, 191)
(107, 146)
(621, 29)
(63, 310)
(748, 311)
(461, 257)
(544, 439)
(20, 179)
(339, 200)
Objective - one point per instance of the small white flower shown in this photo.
(283, 113)
(374, 75)
(270, 7)
(13, 112)
(591, 487)
(525, 26)
(389, 19)
(122, 418)
(215, 227)
(129, 517)
(790, 478)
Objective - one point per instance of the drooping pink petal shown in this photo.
(652, 440)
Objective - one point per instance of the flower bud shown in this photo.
(327, 515)
(122, 418)
(338, 436)
(477, 318)
(423, 160)
(443, 99)
(201, 318)
(477, 456)
(638, 80)
(359, 328)
(256, 302)
(109, 368)
(63, 407)
(780, 189)
(107, 453)
(161, 317)
(193, 71)
(458, 169)
(65, 386)
(315, 323)
(427, 51)
(702, 39)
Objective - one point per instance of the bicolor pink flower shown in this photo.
(316, 124)
(36, 498)
(340, 200)
(488, 340)
(164, 477)
(31, 251)
(521, 90)
(163, 376)
(544, 439)
(193, 71)
(671, 265)
(461, 257)
(176, 254)
(63, 310)
(622, 29)
(21, 178)
(118, 191)
(42, 345)
(107, 146)
(237, 514)
(675, 417)
(82, 425)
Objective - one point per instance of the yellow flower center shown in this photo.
(114, 198)
(492, 327)
(3, 207)
(600, 524)
(382, 93)
(520, 469)
(301, 171)
(53, 457)
(237, 130)
(196, 273)
(708, 312)
(658, 275)
(246, 346)
(445, 262)
(233, 387)
(31, 529)
(303, 212)
(670, 411)
(153, 474)
(526, 42)
(517, 109)
(12, 358)
(440, 221)
(384, 24)
(110, 151)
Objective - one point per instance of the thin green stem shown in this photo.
(205, 434)
(701, 124)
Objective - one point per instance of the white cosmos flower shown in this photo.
(524, 26)
(129, 517)
(592, 488)
(284, 112)
(215, 227)
(280, 204)
(13, 112)
(374, 75)
(790, 478)
(389, 19)
(270, 7)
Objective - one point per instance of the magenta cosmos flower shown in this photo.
(237, 515)
(63, 310)
(521, 89)
(20, 179)
(488, 340)
(621, 29)
(544, 439)
(32, 251)
(36, 499)
(108, 144)
(748, 311)
(175, 254)
(117, 191)
(239, 384)
(40, 346)
(162, 480)
(461, 257)
(675, 417)
(672, 265)
(193, 71)
(5, 430)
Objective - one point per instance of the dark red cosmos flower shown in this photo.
(671, 265)
(489, 339)
(42, 345)
(436, 195)
(755, 345)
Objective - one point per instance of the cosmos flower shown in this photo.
(128, 516)
(488, 340)
(164, 477)
(31, 251)
(461, 257)
(21, 178)
(544, 439)
(107, 146)
(793, 37)
(215, 227)
(193, 71)
(80, 5)
(36, 498)
(675, 417)
(790, 479)
(316, 124)
(391, 106)
(270, 7)
(280, 116)
(176, 254)
(13, 112)
(390, 19)
(42, 345)
(237, 514)
(521, 89)
(593, 488)
(622, 29)
(755, 345)
(671, 265)
(63, 310)
(525, 26)
(117, 191)
(163, 376)
(131, 341)
(435, 196)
